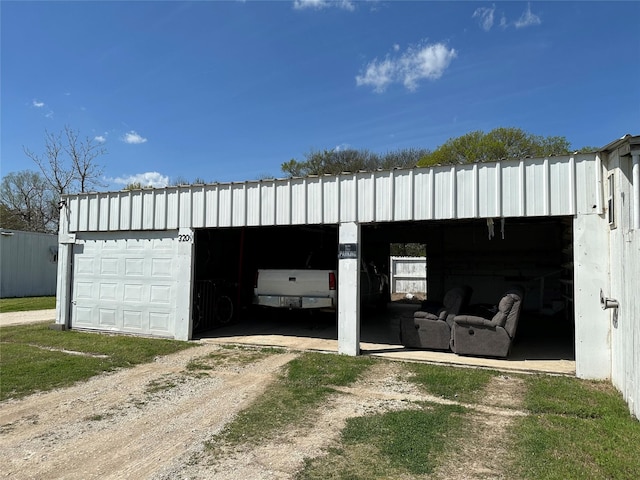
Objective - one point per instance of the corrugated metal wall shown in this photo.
(28, 263)
(520, 188)
(624, 272)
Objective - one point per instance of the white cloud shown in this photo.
(100, 138)
(417, 63)
(320, 4)
(528, 18)
(147, 179)
(133, 138)
(485, 17)
(37, 104)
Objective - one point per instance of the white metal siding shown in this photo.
(515, 188)
(28, 263)
(624, 286)
(125, 284)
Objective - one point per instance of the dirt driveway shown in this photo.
(151, 422)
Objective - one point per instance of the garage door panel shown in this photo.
(124, 284)
(132, 320)
(107, 317)
(160, 323)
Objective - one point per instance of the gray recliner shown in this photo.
(430, 327)
(490, 337)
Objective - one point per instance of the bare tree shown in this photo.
(27, 202)
(68, 162)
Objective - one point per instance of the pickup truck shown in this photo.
(315, 289)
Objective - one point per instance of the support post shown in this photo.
(349, 257)
(635, 173)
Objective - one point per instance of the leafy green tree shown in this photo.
(333, 162)
(499, 144)
(133, 186)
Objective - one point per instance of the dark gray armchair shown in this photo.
(430, 327)
(491, 336)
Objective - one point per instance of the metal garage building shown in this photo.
(29, 263)
(130, 261)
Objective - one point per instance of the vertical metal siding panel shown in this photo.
(442, 193)
(172, 208)
(421, 195)
(268, 203)
(114, 211)
(588, 179)
(186, 206)
(487, 191)
(348, 198)
(238, 204)
(558, 192)
(148, 209)
(136, 210)
(93, 212)
(105, 207)
(198, 212)
(125, 212)
(511, 188)
(383, 191)
(534, 187)
(366, 197)
(160, 210)
(403, 195)
(253, 204)
(331, 199)
(283, 203)
(299, 201)
(83, 213)
(313, 207)
(464, 191)
(224, 206)
(211, 210)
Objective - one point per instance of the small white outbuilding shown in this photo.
(130, 261)
(29, 262)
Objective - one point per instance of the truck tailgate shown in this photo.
(294, 282)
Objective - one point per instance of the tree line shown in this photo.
(70, 163)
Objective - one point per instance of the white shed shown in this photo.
(29, 262)
(130, 261)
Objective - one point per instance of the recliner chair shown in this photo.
(490, 337)
(430, 328)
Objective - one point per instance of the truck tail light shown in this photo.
(332, 281)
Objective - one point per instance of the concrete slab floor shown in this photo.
(531, 351)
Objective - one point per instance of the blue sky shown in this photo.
(228, 91)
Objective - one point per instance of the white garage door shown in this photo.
(125, 284)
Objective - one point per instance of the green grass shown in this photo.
(397, 444)
(460, 384)
(305, 383)
(576, 430)
(32, 357)
(26, 304)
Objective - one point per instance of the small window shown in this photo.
(611, 202)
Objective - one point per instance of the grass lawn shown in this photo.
(33, 357)
(26, 303)
(572, 429)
